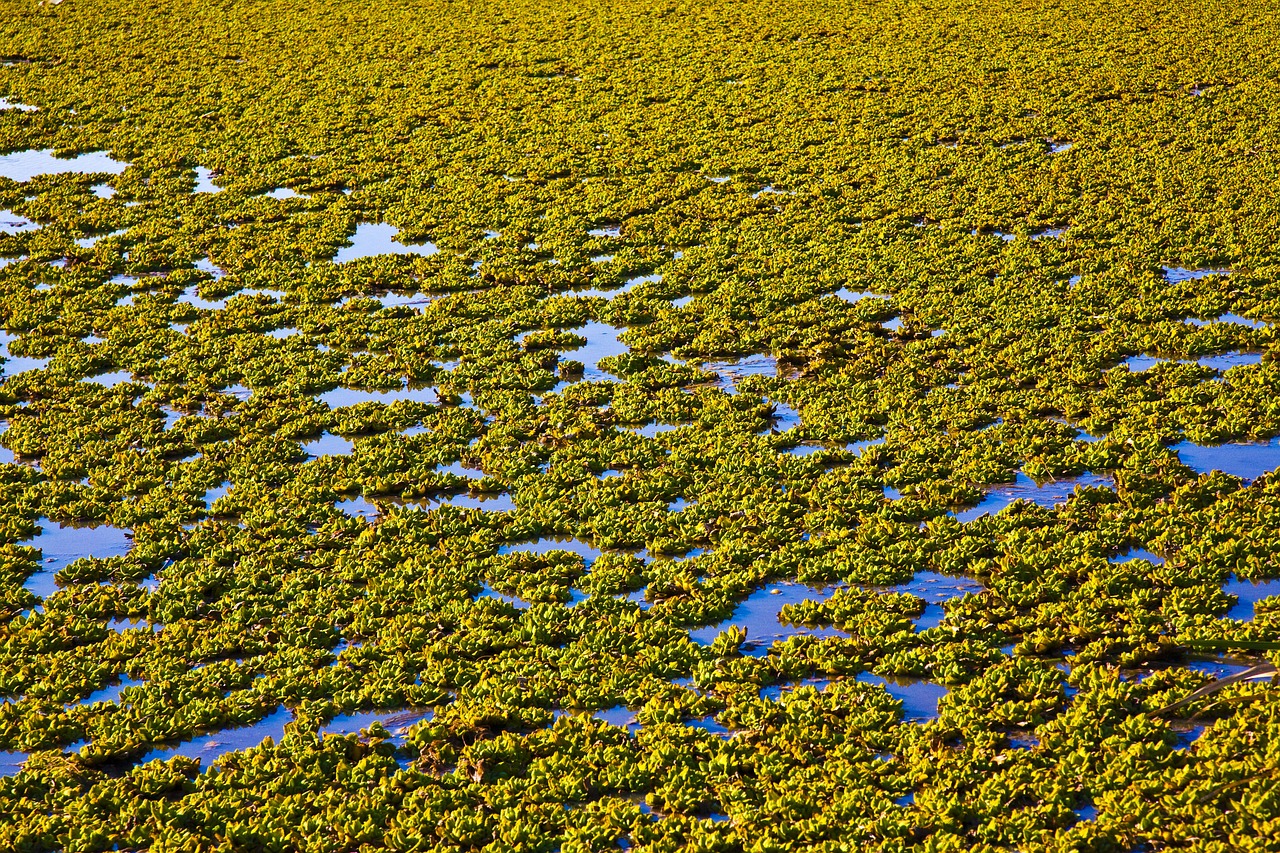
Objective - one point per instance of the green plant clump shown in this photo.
(733, 426)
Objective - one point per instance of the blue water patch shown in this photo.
(774, 692)
(619, 715)
(214, 745)
(487, 501)
(458, 469)
(708, 724)
(397, 722)
(1137, 554)
(547, 544)
(653, 429)
(1219, 667)
(22, 166)
(403, 300)
(1222, 361)
(731, 372)
(856, 447)
(328, 444)
(489, 592)
(204, 181)
(612, 292)
(1249, 593)
(282, 193)
(358, 507)
(212, 494)
(1024, 488)
(1177, 274)
(783, 417)
(803, 449)
(340, 397)
(12, 223)
(62, 545)
(1246, 460)
(919, 698)
(378, 238)
(759, 613)
(852, 296)
(602, 342)
(1235, 319)
(1186, 737)
(109, 693)
(11, 762)
(935, 589)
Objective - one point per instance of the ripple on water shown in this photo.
(1024, 488)
(214, 745)
(759, 613)
(378, 238)
(62, 545)
(22, 166)
(1246, 460)
(1221, 361)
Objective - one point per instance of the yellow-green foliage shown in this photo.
(716, 180)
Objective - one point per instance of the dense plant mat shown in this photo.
(563, 427)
